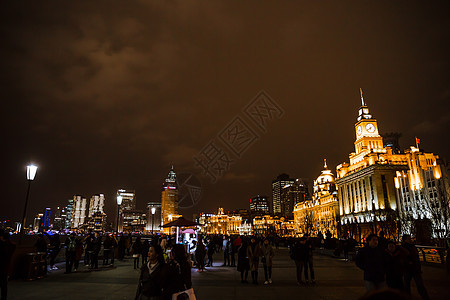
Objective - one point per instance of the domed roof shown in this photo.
(326, 176)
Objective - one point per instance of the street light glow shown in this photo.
(153, 210)
(31, 172)
(119, 200)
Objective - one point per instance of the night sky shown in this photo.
(106, 94)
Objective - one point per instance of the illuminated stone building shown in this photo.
(277, 186)
(321, 213)
(220, 223)
(169, 198)
(269, 225)
(381, 189)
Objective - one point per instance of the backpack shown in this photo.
(71, 246)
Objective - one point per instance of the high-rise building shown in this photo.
(96, 204)
(46, 222)
(69, 214)
(37, 223)
(291, 194)
(259, 205)
(59, 219)
(169, 197)
(79, 211)
(128, 199)
(277, 185)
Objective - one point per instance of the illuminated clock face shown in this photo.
(359, 130)
(370, 128)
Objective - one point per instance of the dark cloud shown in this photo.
(109, 94)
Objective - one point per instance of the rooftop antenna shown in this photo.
(362, 98)
(324, 163)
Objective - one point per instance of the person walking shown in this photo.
(70, 244)
(178, 284)
(7, 249)
(88, 249)
(345, 247)
(253, 253)
(309, 260)
(136, 249)
(121, 248)
(298, 255)
(232, 251)
(413, 269)
(372, 260)
(267, 255)
(78, 254)
(199, 254)
(153, 275)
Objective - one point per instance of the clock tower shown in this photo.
(366, 128)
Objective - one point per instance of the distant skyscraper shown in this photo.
(259, 205)
(96, 204)
(79, 211)
(277, 186)
(169, 197)
(69, 214)
(292, 194)
(59, 219)
(47, 218)
(128, 199)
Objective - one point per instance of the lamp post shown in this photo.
(31, 173)
(119, 202)
(153, 217)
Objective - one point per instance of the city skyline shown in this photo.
(98, 109)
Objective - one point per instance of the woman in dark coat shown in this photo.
(178, 274)
(243, 263)
(253, 253)
(153, 275)
(200, 253)
(136, 249)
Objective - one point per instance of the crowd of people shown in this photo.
(386, 264)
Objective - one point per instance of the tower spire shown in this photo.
(362, 98)
(324, 163)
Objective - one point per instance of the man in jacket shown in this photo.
(372, 260)
(70, 244)
(309, 260)
(413, 269)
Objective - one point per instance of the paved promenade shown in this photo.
(336, 279)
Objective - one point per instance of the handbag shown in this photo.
(136, 255)
(184, 295)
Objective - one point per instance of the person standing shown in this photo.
(210, 247)
(107, 249)
(394, 266)
(70, 244)
(200, 253)
(267, 255)
(121, 248)
(96, 246)
(253, 253)
(153, 275)
(89, 246)
(178, 284)
(136, 249)
(55, 247)
(372, 260)
(243, 264)
(345, 247)
(413, 269)
(78, 254)
(298, 254)
(7, 249)
(226, 251)
(309, 260)
(232, 250)
(144, 251)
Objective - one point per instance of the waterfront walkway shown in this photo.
(336, 279)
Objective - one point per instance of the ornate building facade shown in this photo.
(220, 223)
(321, 213)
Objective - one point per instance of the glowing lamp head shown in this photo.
(119, 200)
(153, 210)
(31, 172)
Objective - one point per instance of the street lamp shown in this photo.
(119, 202)
(31, 173)
(153, 217)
